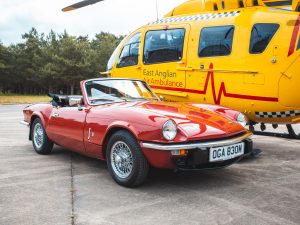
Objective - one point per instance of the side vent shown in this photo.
(223, 4)
(241, 4)
(215, 7)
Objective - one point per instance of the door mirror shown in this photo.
(162, 98)
(75, 101)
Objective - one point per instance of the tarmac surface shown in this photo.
(67, 188)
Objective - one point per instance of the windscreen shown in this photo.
(117, 90)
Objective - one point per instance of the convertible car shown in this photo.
(123, 122)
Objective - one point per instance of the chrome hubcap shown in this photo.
(38, 135)
(121, 159)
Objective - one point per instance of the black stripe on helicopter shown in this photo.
(277, 114)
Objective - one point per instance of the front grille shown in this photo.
(217, 139)
(198, 159)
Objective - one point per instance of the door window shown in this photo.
(216, 41)
(163, 46)
(261, 35)
(130, 52)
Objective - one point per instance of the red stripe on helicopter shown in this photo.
(294, 36)
(222, 90)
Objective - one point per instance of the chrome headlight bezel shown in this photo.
(242, 119)
(169, 130)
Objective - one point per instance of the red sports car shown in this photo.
(123, 122)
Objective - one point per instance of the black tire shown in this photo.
(140, 166)
(42, 146)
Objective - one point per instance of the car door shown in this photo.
(65, 127)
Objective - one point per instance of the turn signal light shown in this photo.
(180, 152)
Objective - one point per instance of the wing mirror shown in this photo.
(75, 101)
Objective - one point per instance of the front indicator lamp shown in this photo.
(180, 152)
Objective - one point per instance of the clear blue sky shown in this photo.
(114, 16)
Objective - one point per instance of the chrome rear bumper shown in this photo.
(199, 145)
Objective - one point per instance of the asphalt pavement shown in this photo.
(67, 188)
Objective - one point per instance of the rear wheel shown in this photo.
(126, 162)
(40, 141)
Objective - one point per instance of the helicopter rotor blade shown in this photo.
(80, 5)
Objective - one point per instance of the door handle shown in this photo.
(184, 68)
(89, 134)
(55, 114)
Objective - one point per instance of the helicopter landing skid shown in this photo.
(290, 135)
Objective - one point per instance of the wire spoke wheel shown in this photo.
(121, 159)
(126, 162)
(38, 135)
(41, 143)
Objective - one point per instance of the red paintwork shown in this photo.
(222, 90)
(143, 119)
(294, 36)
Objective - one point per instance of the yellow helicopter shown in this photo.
(244, 54)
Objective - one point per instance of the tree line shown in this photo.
(53, 63)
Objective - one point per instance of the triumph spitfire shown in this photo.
(123, 122)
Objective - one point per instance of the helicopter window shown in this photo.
(261, 35)
(163, 46)
(112, 59)
(216, 41)
(130, 52)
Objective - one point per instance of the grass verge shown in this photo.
(22, 99)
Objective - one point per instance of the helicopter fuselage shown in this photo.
(247, 59)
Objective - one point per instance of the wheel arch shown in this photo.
(112, 130)
(33, 117)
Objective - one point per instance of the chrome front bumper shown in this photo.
(200, 145)
(24, 123)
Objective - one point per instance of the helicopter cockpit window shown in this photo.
(163, 46)
(130, 52)
(216, 41)
(261, 35)
(112, 60)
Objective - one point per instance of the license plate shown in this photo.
(226, 152)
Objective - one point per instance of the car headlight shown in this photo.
(241, 119)
(169, 130)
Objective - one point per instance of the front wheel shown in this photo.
(40, 141)
(126, 162)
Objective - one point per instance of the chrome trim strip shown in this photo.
(55, 114)
(24, 123)
(89, 134)
(207, 144)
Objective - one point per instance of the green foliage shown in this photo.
(53, 63)
(102, 48)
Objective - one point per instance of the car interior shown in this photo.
(65, 100)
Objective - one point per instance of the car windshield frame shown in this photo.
(109, 98)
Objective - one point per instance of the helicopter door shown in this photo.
(164, 54)
(210, 50)
(128, 64)
(224, 69)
